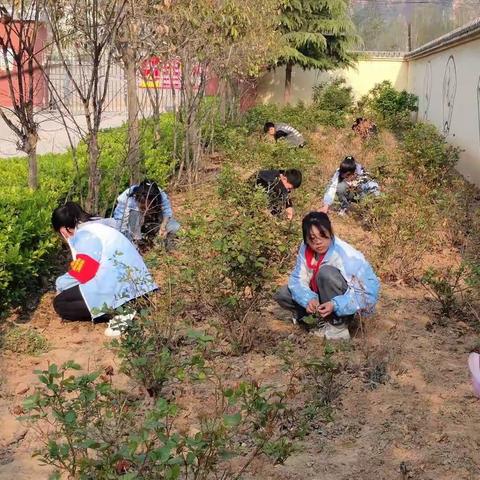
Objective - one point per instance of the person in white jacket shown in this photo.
(106, 271)
(143, 211)
(331, 279)
(350, 183)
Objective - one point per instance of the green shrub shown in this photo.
(96, 431)
(330, 118)
(150, 351)
(302, 117)
(427, 152)
(389, 106)
(256, 117)
(26, 241)
(333, 96)
(453, 288)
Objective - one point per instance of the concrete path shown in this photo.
(53, 135)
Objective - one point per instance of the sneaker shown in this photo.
(119, 324)
(294, 319)
(332, 332)
(342, 212)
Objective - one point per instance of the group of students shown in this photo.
(331, 279)
(107, 270)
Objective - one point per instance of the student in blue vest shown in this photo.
(331, 280)
(106, 272)
(144, 211)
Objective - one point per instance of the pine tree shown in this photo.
(317, 34)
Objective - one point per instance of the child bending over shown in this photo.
(349, 184)
(278, 184)
(277, 131)
(144, 211)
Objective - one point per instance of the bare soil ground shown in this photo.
(407, 411)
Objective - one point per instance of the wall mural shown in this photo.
(427, 89)
(449, 90)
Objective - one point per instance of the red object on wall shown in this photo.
(157, 75)
(39, 82)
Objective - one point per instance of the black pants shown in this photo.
(71, 306)
(330, 283)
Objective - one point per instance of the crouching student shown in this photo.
(278, 184)
(106, 272)
(364, 128)
(349, 184)
(279, 131)
(331, 279)
(144, 211)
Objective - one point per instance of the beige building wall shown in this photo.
(447, 83)
(362, 78)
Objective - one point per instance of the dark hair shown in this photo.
(149, 193)
(69, 215)
(357, 122)
(294, 177)
(348, 165)
(319, 220)
(268, 126)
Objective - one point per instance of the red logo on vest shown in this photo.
(83, 268)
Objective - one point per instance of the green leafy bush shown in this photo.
(427, 153)
(416, 205)
(302, 117)
(26, 241)
(389, 106)
(150, 351)
(96, 431)
(333, 96)
(453, 287)
(256, 117)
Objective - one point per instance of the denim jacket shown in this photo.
(126, 203)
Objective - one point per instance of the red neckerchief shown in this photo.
(310, 257)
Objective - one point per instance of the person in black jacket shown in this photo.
(278, 184)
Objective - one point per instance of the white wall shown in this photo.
(362, 78)
(448, 86)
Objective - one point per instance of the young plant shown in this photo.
(91, 430)
(450, 287)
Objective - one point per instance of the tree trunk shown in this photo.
(133, 159)
(288, 83)
(94, 175)
(32, 161)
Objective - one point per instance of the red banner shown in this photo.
(158, 75)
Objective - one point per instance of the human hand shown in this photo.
(312, 306)
(162, 233)
(325, 309)
(324, 208)
(289, 213)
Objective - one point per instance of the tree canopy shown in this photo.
(316, 34)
